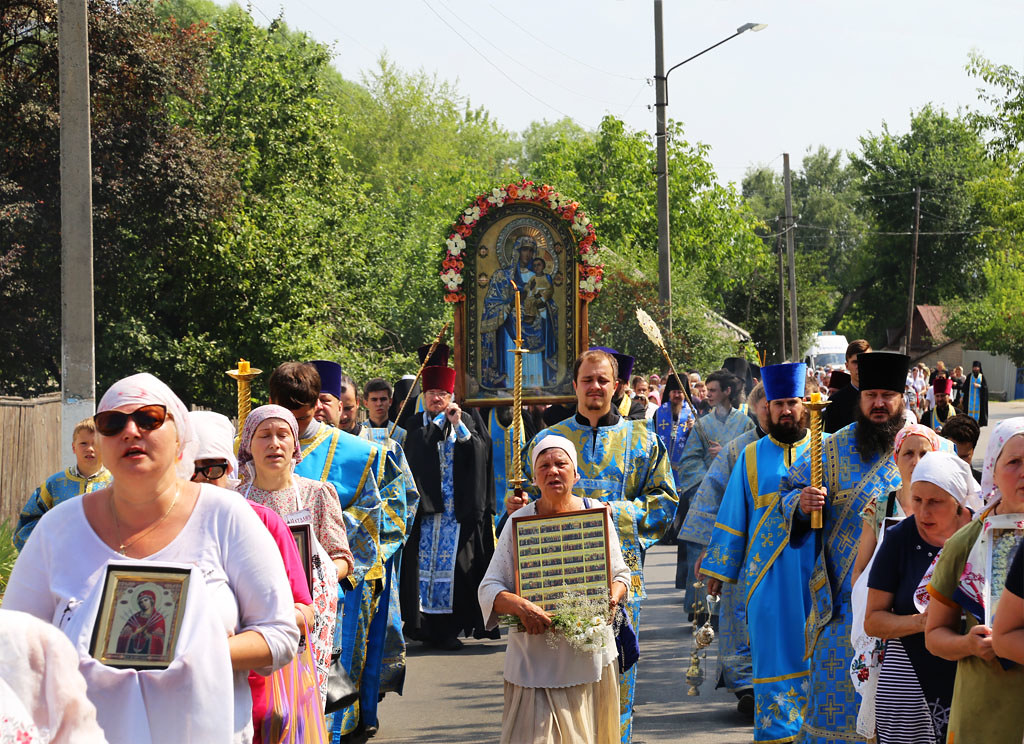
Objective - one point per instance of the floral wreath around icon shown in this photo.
(589, 253)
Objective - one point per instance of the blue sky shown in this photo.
(822, 72)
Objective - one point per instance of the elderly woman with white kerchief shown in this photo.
(967, 582)
(915, 688)
(238, 608)
(553, 693)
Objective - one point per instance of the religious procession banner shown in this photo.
(521, 261)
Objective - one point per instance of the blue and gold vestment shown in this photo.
(733, 643)
(356, 468)
(385, 653)
(674, 431)
(748, 548)
(501, 457)
(696, 457)
(850, 483)
(56, 489)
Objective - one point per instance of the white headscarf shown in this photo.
(952, 475)
(553, 441)
(144, 389)
(216, 436)
(1006, 429)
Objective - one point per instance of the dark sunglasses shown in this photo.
(211, 472)
(147, 418)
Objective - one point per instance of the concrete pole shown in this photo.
(78, 359)
(782, 299)
(794, 336)
(905, 346)
(661, 137)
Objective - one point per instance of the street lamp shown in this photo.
(661, 89)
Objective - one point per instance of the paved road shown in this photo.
(457, 697)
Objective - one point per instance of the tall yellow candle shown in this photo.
(519, 321)
(243, 366)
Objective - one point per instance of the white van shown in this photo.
(828, 347)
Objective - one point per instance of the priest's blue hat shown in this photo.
(624, 361)
(784, 380)
(330, 376)
(442, 352)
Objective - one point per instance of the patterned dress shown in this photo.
(328, 526)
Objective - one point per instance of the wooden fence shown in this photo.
(29, 449)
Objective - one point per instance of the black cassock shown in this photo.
(474, 511)
(842, 409)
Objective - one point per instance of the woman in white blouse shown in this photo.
(238, 611)
(553, 695)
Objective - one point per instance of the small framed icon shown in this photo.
(140, 615)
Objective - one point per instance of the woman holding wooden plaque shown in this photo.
(554, 692)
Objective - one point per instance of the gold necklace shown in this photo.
(123, 547)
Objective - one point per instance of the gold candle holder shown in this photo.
(816, 405)
(243, 375)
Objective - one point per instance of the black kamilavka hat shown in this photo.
(883, 370)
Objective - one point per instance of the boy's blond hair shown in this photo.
(86, 424)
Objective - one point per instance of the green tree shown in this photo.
(827, 236)
(156, 184)
(993, 318)
(945, 156)
(424, 152)
(713, 243)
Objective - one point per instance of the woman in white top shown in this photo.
(238, 612)
(553, 695)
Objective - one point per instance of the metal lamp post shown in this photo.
(661, 89)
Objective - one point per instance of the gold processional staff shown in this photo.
(244, 375)
(817, 405)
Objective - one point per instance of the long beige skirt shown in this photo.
(583, 714)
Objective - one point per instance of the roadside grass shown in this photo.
(8, 554)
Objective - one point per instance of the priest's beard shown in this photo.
(876, 439)
(787, 431)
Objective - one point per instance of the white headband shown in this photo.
(952, 475)
(553, 441)
(144, 389)
(216, 437)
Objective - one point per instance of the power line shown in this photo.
(559, 51)
(516, 60)
(334, 26)
(492, 64)
(832, 231)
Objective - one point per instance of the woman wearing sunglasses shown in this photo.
(238, 613)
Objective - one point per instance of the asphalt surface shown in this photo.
(457, 696)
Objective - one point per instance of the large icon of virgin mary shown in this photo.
(528, 274)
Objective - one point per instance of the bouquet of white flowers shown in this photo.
(579, 619)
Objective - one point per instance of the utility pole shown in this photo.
(794, 338)
(78, 358)
(661, 137)
(782, 297)
(905, 346)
